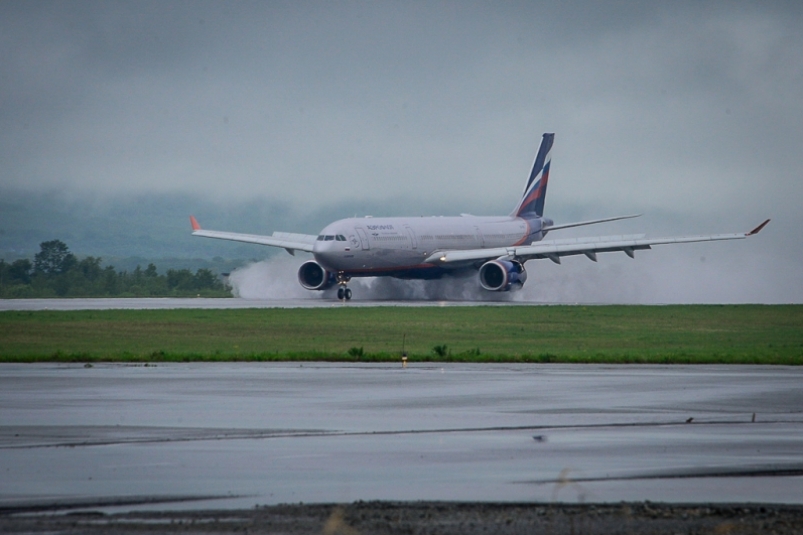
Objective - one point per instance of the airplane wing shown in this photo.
(554, 249)
(289, 241)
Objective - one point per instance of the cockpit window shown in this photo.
(320, 238)
(329, 238)
(340, 237)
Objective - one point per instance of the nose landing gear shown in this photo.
(343, 292)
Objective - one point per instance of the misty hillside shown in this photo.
(126, 231)
(148, 226)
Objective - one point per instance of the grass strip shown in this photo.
(744, 334)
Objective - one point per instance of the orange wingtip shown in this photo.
(758, 228)
(194, 223)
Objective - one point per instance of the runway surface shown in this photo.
(139, 303)
(214, 435)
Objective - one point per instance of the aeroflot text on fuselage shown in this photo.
(495, 248)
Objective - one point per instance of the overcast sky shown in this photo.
(691, 113)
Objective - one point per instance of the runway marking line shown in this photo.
(303, 434)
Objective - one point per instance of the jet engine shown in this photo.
(502, 275)
(312, 276)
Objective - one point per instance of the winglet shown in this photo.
(194, 223)
(758, 228)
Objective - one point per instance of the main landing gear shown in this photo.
(343, 291)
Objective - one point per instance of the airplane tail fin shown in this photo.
(532, 202)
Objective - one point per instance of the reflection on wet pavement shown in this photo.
(285, 432)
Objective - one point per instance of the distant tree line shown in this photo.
(56, 272)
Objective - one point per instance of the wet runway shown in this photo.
(235, 435)
(139, 303)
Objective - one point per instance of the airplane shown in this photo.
(494, 247)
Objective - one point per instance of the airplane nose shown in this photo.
(323, 251)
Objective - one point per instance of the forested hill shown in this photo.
(56, 272)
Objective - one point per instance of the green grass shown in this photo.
(616, 334)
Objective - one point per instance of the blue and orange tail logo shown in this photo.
(532, 203)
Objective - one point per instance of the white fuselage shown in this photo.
(399, 245)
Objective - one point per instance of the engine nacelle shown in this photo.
(502, 275)
(312, 276)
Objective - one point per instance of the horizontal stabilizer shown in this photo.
(590, 222)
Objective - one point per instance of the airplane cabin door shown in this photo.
(363, 239)
(411, 234)
(480, 237)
